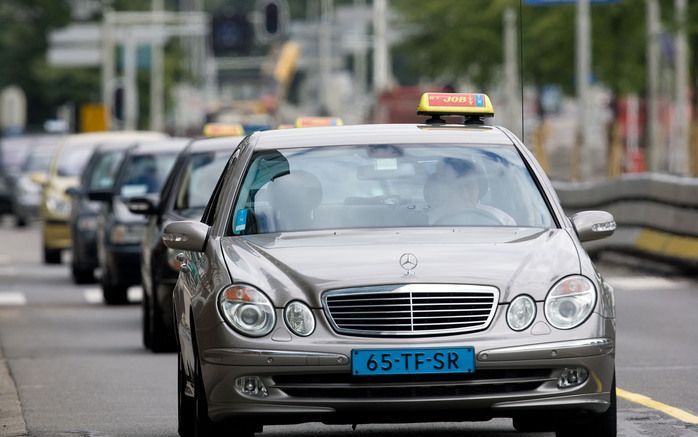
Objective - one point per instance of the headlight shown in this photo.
(247, 310)
(87, 223)
(299, 318)
(56, 205)
(570, 302)
(126, 234)
(521, 312)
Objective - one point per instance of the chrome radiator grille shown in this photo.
(411, 310)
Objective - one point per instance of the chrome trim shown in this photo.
(558, 349)
(412, 301)
(261, 357)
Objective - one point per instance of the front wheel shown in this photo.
(113, 292)
(52, 256)
(601, 425)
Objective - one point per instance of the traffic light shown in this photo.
(231, 35)
(271, 20)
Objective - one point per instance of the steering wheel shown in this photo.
(469, 216)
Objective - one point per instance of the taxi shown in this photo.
(67, 164)
(392, 273)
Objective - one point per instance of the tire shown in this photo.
(145, 318)
(186, 410)
(601, 425)
(52, 256)
(82, 275)
(113, 293)
(21, 221)
(162, 338)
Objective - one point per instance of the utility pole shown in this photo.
(108, 66)
(511, 73)
(381, 55)
(325, 49)
(130, 84)
(679, 160)
(654, 144)
(156, 72)
(583, 73)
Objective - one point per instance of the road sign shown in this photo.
(78, 45)
(93, 118)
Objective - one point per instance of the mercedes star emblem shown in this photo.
(408, 261)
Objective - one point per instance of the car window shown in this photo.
(38, 161)
(104, 170)
(145, 174)
(211, 211)
(73, 159)
(199, 179)
(387, 186)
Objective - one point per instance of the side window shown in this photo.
(105, 170)
(210, 212)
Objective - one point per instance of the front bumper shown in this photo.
(56, 234)
(124, 263)
(313, 381)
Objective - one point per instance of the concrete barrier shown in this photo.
(657, 214)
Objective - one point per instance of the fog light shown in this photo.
(251, 386)
(572, 377)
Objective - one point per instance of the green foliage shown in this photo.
(456, 39)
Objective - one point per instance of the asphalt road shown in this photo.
(80, 369)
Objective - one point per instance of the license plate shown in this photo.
(413, 361)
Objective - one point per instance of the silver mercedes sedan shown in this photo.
(391, 273)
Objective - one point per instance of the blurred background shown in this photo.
(595, 88)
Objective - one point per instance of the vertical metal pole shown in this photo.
(360, 55)
(108, 66)
(654, 144)
(381, 55)
(157, 69)
(583, 73)
(680, 153)
(325, 49)
(511, 73)
(130, 84)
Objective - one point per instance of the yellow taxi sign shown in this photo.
(318, 121)
(468, 104)
(223, 130)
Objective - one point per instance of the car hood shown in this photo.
(302, 265)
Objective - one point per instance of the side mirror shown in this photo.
(593, 225)
(100, 195)
(186, 235)
(73, 191)
(142, 205)
(39, 178)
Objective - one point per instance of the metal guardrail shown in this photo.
(657, 214)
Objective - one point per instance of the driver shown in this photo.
(454, 189)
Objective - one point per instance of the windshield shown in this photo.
(38, 161)
(199, 179)
(104, 170)
(73, 159)
(145, 174)
(372, 186)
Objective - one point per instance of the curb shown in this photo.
(11, 419)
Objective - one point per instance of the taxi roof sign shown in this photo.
(318, 121)
(473, 106)
(223, 130)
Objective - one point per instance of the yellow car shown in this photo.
(66, 166)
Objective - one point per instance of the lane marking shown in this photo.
(648, 402)
(93, 295)
(644, 282)
(12, 298)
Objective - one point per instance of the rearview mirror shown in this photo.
(593, 225)
(39, 178)
(186, 235)
(142, 205)
(100, 195)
